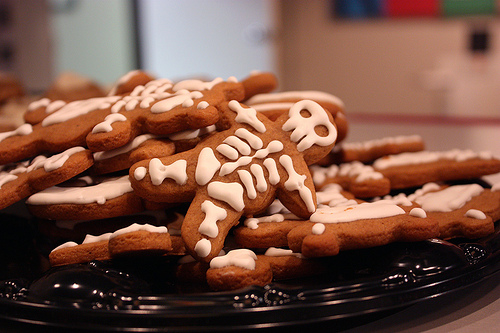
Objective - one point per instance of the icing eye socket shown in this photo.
(321, 131)
(308, 131)
(304, 113)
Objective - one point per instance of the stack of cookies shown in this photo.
(241, 184)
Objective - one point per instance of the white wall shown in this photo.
(217, 38)
(379, 65)
(93, 38)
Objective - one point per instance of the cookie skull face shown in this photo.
(303, 127)
(240, 171)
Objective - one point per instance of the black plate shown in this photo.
(143, 294)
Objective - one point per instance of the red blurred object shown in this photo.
(409, 8)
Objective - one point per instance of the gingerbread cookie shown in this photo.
(20, 180)
(369, 224)
(466, 210)
(418, 168)
(140, 240)
(285, 264)
(275, 104)
(92, 248)
(355, 177)
(159, 107)
(240, 171)
(134, 240)
(98, 199)
(238, 269)
(368, 151)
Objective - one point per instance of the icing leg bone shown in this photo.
(240, 171)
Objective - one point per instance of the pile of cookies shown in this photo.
(241, 184)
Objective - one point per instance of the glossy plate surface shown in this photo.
(143, 294)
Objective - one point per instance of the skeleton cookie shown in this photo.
(159, 107)
(240, 171)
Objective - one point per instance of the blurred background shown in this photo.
(429, 67)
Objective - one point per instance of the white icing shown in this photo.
(43, 102)
(240, 145)
(49, 164)
(318, 229)
(94, 239)
(213, 214)
(176, 171)
(183, 97)
(24, 129)
(273, 147)
(140, 173)
(100, 193)
(230, 193)
(54, 106)
(247, 181)
(303, 128)
(418, 212)
(139, 227)
(365, 210)
(55, 161)
(295, 95)
(370, 144)
(9, 172)
(357, 170)
(6, 178)
(331, 195)
(78, 108)
(272, 169)
(207, 166)
(277, 252)
(247, 116)
(203, 248)
(193, 84)
(203, 105)
(475, 214)
(253, 222)
(241, 258)
(258, 173)
(421, 157)
(65, 246)
(191, 134)
(254, 141)
(105, 126)
(449, 199)
(296, 182)
(495, 187)
(227, 151)
(136, 142)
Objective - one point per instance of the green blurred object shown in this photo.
(468, 7)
